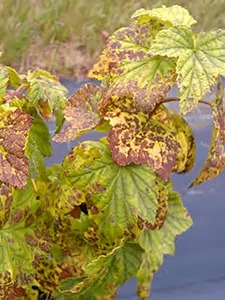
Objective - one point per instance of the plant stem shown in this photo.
(177, 99)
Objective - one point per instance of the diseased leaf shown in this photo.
(137, 137)
(187, 151)
(132, 70)
(81, 113)
(115, 196)
(215, 161)
(174, 15)
(200, 60)
(21, 233)
(9, 290)
(46, 92)
(107, 272)
(14, 164)
(4, 79)
(156, 243)
(14, 78)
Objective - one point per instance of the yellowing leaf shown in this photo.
(175, 15)
(187, 151)
(212, 45)
(173, 41)
(81, 113)
(137, 137)
(156, 243)
(14, 164)
(9, 290)
(21, 233)
(115, 196)
(4, 79)
(131, 68)
(196, 77)
(46, 92)
(215, 161)
(14, 78)
(106, 272)
(200, 59)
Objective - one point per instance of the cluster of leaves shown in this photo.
(108, 212)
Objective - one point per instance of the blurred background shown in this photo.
(65, 37)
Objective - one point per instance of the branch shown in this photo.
(177, 99)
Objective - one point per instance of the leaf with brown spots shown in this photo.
(187, 151)
(132, 70)
(138, 137)
(115, 196)
(80, 113)
(157, 243)
(46, 92)
(14, 128)
(25, 230)
(173, 15)
(106, 273)
(10, 290)
(215, 161)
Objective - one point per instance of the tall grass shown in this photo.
(66, 36)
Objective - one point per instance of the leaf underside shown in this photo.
(81, 113)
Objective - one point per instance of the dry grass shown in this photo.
(66, 36)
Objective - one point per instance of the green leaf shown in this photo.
(137, 137)
(38, 144)
(196, 77)
(212, 45)
(132, 70)
(46, 92)
(115, 196)
(156, 243)
(107, 272)
(14, 78)
(40, 134)
(14, 128)
(21, 233)
(196, 73)
(4, 80)
(215, 161)
(200, 60)
(175, 15)
(80, 113)
(173, 41)
(59, 119)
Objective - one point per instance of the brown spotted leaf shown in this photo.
(105, 273)
(187, 151)
(80, 113)
(25, 230)
(14, 164)
(132, 70)
(215, 161)
(137, 137)
(157, 243)
(46, 92)
(10, 290)
(116, 197)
